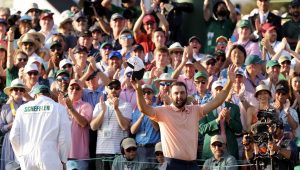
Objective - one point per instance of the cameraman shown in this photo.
(281, 148)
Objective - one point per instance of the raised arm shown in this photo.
(231, 9)
(206, 10)
(220, 98)
(141, 103)
(178, 70)
(10, 49)
(139, 21)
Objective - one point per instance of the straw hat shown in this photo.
(16, 83)
(28, 37)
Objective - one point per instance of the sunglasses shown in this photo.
(107, 48)
(18, 89)
(114, 87)
(67, 66)
(147, 92)
(159, 154)
(28, 44)
(22, 59)
(211, 63)
(60, 79)
(177, 52)
(131, 149)
(75, 88)
(221, 59)
(123, 37)
(81, 20)
(129, 74)
(35, 73)
(200, 82)
(165, 83)
(53, 49)
(217, 144)
(221, 43)
(149, 23)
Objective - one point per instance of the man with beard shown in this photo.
(178, 122)
(56, 55)
(221, 23)
(111, 119)
(290, 29)
(220, 157)
(60, 85)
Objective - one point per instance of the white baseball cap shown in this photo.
(30, 67)
(64, 62)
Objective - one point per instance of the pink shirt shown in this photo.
(179, 130)
(191, 88)
(128, 95)
(80, 136)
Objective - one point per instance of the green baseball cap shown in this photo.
(62, 72)
(105, 44)
(244, 23)
(272, 63)
(41, 89)
(253, 59)
(200, 74)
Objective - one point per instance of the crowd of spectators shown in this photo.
(84, 62)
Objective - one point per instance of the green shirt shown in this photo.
(291, 29)
(215, 29)
(120, 162)
(11, 74)
(225, 163)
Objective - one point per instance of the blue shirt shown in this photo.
(202, 100)
(91, 96)
(145, 134)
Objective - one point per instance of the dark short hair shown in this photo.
(240, 47)
(178, 83)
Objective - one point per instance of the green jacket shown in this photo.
(209, 127)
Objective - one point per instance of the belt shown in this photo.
(179, 161)
(147, 145)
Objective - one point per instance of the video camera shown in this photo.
(88, 8)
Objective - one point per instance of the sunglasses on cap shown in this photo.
(35, 73)
(65, 78)
(147, 92)
(131, 149)
(22, 59)
(217, 144)
(123, 37)
(165, 83)
(114, 87)
(18, 89)
(67, 66)
(75, 88)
